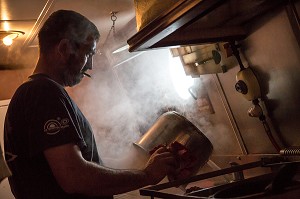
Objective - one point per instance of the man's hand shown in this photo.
(161, 163)
(187, 162)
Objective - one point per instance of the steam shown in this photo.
(122, 103)
(18, 57)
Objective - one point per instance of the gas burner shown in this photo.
(277, 184)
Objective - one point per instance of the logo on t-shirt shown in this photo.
(52, 127)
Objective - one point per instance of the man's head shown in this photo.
(73, 37)
(65, 24)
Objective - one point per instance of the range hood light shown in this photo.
(181, 81)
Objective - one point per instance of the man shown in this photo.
(52, 149)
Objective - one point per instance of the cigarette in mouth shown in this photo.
(88, 75)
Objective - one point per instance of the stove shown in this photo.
(282, 182)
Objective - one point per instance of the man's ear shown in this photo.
(65, 49)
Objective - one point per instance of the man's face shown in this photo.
(79, 62)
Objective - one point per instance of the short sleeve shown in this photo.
(52, 119)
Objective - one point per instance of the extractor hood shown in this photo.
(192, 22)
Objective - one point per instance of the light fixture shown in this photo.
(8, 36)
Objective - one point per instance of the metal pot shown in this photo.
(173, 127)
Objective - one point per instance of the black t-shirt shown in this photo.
(42, 115)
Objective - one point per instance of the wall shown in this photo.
(16, 65)
(272, 51)
(10, 80)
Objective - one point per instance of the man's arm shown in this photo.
(76, 175)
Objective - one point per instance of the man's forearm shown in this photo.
(99, 180)
(76, 175)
